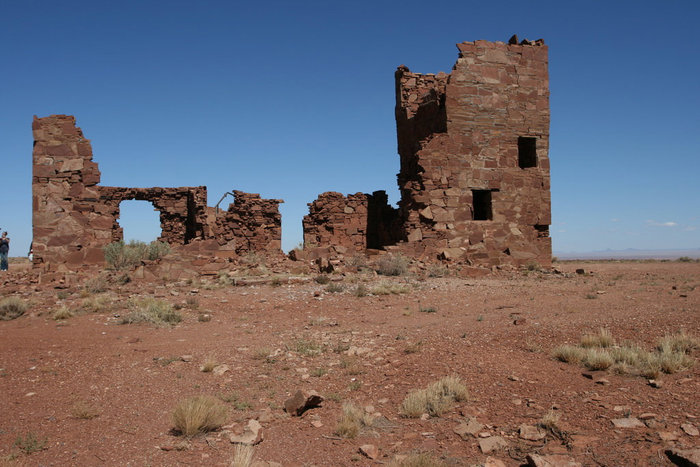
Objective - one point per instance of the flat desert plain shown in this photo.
(79, 388)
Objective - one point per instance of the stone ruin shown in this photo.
(474, 176)
(74, 217)
(474, 181)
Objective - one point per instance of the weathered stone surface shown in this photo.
(469, 428)
(554, 460)
(252, 435)
(474, 177)
(492, 443)
(301, 401)
(629, 422)
(369, 450)
(532, 433)
(684, 458)
(74, 218)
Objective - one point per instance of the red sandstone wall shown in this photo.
(458, 133)
(74, 218)
(251, 224)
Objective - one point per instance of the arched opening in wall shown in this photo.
(139, 220)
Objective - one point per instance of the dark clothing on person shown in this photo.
(4, 250)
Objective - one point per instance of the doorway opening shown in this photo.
(139, 221)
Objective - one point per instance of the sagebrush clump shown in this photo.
(392, 265)
(352, 420)
(12, 307)
(150, 310)
(120, 255)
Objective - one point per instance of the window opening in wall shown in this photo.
(482, 205)
(139, 221)
(527, 152)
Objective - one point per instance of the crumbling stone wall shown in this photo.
(74, 218)
(251, 224)
(350, 223)
(474, 146)
(474, 175)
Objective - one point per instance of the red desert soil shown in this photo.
(496, 333)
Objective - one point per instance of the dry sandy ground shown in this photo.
(496, 333)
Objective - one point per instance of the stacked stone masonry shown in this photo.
(74, 218)
(474, 180)
(474, 176)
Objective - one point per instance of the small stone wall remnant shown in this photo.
(251, 224)
(350, 223)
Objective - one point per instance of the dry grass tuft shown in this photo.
(150, 310)
(392, 265)
(568, 353)
(352, 420)
(436, 399)
(602, 339)
(389, 288)
(84, 411)
(597, 359)
(62, 313)
(242, 456)
(96, 304)
(198, 414)
(423, 459)
(12, 307)
(679, 342)
(599, 352)
(208, 365)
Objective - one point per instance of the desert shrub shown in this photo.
(96, 304)
(12, 307)
(242, 456)
(30, 443)
(392, 265)
(352, 420)
(549, 421)
(322, 279)
(599, 352)
(568, 353)
(436, 399)
(198, 414)
(62, 313)
(307, 347)
(97, 284)
(360, 291)
(120, 255)
(153, 311)
(84, 411)
(335, 288)
(602, 339)
(208, 365)
(438, 270)
(422, 459)
(157, 250)
(679, 342)
(597, 359)
(389, 288)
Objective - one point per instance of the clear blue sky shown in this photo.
(291, 99)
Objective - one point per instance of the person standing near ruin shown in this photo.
(4, 251)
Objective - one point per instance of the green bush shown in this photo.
(120, 255)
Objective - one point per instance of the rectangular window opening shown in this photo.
(527, 152)
(482, 205)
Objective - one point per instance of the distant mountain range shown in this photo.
(630, 253)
